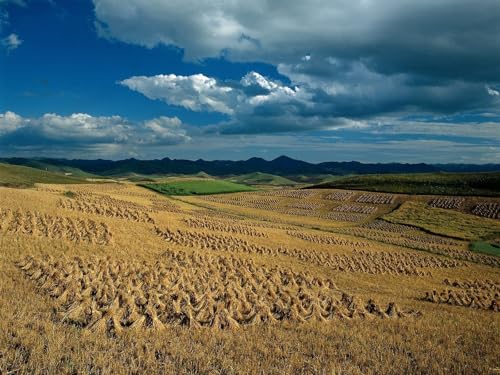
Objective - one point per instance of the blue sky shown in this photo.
(409, 81)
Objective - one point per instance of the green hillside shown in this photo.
(19, 176)
(258, 178)
(197, 187)
(486, 184)
(445, 222)
(44, 166)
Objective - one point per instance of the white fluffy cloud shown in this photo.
(252, 104)
(9, 122)
(83, 127)
(196, 92)
(11, 42)
(201, 93)
(165, 130)
(83, 130)
(257, 104)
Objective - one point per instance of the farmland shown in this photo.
(115, 278)
(197, 187)
(446, 222)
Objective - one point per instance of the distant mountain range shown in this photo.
(282, 166)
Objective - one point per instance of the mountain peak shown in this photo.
(254, 159)
(284, 158)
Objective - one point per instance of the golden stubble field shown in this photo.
(113, 279)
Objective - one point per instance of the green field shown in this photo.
(198, 187)
(485, 247)
(483, 184)
(18, 176)
(445, 222)
(259, 178)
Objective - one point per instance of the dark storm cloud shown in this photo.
(349, 59)
(447, 39)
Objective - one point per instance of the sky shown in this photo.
(318, 80)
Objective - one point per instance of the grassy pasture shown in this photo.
(198, 187)
(18, 176)
(485, 247)
(445, 222)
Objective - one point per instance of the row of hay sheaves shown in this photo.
(223, 292)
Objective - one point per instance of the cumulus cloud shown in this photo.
(83, 131)
(196, 92)
(82, 127)
(257, 104)
(9, 122)
(253, 101)
(201, 93)
(11, 42)
(166, 131)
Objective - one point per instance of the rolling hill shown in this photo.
(20, 176)
(259, 178)
(487, 184)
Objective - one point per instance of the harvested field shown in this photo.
(345, 216)
(356, 208)
(447, 202)
(164, 205)
(376, 198)
(385, 263)
(56, 227)
(191, 290)
(387, 226)
(222, 226)
(490, 210)
(298, 212)
(476, 294)
(107, 206)
(244, 201)
(305, 205)
(426, 242)
(89, 285)
(102, 188)
(289, 193)
(341, 196)
(365, 262)
(327, 239)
